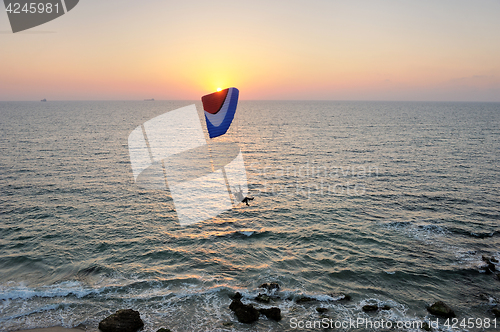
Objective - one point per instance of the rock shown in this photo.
(386, 307)
(347, 297)
(426, 326)
(273, 313)
(263, 298)
(490, 267)
(125, 320)
(245, 313)
(484, 297)
(164, 330)
(441, 309)
(270, 286)
(496, 312)
(227, 324)
(370, 307)
(304, 299)
(236, 296)
(321, 310)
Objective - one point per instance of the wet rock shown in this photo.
(496, 312)
(125, 320)
(303, 299)
(485, 258)
(236, 296)
(227, 324)
(164, 330)
(370, 307)
(441, 309)
(490, 266)
(273, 313)
(270, 286)
(263, 298)
(245, 313)
(489, 298)
(385, 307)
(321, 310)
(426, 326)
(484, 297)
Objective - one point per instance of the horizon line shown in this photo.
(268, 100)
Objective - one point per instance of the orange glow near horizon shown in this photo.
(339, 51)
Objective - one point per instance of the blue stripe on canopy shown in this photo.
(219, 123)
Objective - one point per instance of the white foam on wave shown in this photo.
(11, 291)
(247, 233)
(29, 312)
(420, 230)
(439, 237)
(207, 306)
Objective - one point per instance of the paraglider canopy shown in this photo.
(219, 110)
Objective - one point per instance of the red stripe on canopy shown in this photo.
(213, 102)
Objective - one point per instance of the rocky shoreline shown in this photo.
(266, 304)
(128, 320)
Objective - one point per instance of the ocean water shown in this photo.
(393, 203)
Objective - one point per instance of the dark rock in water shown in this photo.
(490, 267)
(164, 330)
(385, 307)
(245, 313)
(484, 297)
(487, 258)
(236, 303)
(227, 324)
(426, 326)
(236, 296)
(125, 320)
(489, 298)
(370, 307)
(321, 310)
(273, 313)
(441, 309)
(263, 298)
(496, 312)
(304, 299)
(270, 286)
(498, 276)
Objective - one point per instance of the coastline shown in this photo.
(53, 329)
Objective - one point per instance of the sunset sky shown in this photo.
(273, 49)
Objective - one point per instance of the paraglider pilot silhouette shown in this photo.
(170, 152)
(240, 197)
